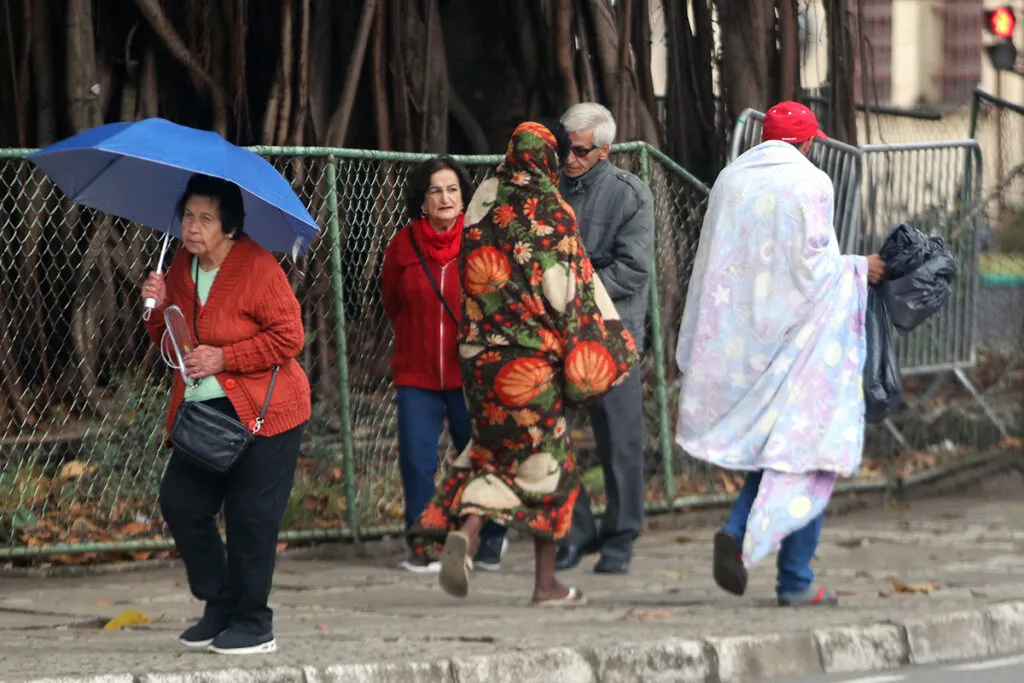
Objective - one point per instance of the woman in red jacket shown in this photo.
(423, 298)
(240, 309)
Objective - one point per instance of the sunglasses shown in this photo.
(581, 152)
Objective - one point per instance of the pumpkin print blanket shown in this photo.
(539, 333)
(772, 342)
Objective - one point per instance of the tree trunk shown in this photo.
(162, 26)
(564, 54)
(299, 124)
(45, 110)
(286, 66)
(82, 82)
(338, 127)
(842, 115)
(789, 50)
(746, 27)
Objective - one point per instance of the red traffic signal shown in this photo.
(1001, 21)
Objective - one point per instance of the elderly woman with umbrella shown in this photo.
(237, 421)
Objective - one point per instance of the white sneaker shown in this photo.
(417, 568)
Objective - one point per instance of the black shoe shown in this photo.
(567, 558)
(570, 554)
(236, 641)
(612, 564)
(728, 569)
(202, 633)
(489, 553)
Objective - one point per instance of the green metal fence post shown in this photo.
(664, 433)
(975, 111)
(344, 397)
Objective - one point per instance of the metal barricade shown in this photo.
(936, 188)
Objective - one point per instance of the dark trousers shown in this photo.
(618, 422)
(234, 581)
(421, 413)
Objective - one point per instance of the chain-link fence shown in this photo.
(998, 126)
(83, 393)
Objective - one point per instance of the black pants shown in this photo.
(618, 422)
(254, 493)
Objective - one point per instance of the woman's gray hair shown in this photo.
(587, 115)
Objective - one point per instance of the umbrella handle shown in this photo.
(150, 302)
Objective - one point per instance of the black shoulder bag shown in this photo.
(205, 436)
(430, 276)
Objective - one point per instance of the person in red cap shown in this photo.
(771, 350)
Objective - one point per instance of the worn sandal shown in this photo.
(456, 565)
(574, 598)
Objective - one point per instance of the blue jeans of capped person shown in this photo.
(421, 413)
(797, 550)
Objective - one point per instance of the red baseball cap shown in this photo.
(791, 122)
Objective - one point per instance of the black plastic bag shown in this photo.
(916, 297)
(919, 273)
(906, 249)
(883, 389)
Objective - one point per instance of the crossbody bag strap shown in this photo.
(266, 402)
(430, 276)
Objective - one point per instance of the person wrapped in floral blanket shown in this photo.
(539, 334)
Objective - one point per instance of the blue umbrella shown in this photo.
(138, 171)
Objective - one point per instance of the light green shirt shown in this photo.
(208, 387)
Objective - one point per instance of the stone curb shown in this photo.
(995, 630)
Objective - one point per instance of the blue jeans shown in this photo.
(421, 413)
(797, 550)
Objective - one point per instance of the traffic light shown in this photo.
(1000, 22)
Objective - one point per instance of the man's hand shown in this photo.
(204, 361)
(876, 269)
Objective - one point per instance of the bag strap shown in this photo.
(195, 327)
(430, 276)
(266, 402)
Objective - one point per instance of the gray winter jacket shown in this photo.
(615, 213)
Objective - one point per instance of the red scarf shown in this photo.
(440, 247)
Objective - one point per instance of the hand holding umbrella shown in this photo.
(138, 171)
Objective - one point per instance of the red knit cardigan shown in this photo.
(253, 315)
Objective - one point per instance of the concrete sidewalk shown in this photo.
(363, 620)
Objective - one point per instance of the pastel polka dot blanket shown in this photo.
(772, 343)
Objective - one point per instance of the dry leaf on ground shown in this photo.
(128, 618)
(901, 587)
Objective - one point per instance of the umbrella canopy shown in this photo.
(138, 171)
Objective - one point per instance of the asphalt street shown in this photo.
(996, 670)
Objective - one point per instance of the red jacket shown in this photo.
(426, 339)
(255, 318)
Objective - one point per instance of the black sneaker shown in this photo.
(489, 554)
(235, 641)
(202, 633)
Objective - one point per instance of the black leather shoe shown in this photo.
(609, 564)
(568, 557)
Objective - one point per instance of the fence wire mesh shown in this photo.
(83, 393)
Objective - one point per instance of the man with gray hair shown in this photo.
(615, 213)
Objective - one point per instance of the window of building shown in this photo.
(962, 45)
